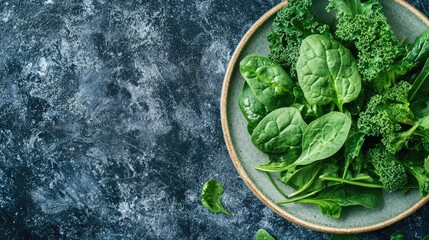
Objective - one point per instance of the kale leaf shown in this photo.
(293, 23)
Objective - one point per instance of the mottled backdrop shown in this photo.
(110, 123)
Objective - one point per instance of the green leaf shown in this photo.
(344, 237)
(366, 197)
(419, 51)
(327, 72)
(211, 197)
(252, 109)
(261, 234)
(421, 85)
(426, 237)
(352, 150)
(327, 207)
(306, 110)
(426, 164)
(397, 236)
(324, 137)
(269, 82)
(280, 131)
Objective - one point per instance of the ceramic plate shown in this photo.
(406, 22)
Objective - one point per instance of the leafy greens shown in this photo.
(341, 115)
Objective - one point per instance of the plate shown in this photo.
(406, 21)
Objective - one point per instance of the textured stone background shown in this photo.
(110, 124)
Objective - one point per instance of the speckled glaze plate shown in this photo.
(406, 22)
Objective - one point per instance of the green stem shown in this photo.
(305, 187)
(335, 179)
(340, 107)
(345, 168)
(298, 198)
(361, 178)
(403, 41)
(275, 185)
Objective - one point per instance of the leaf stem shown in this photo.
(306, 185)
(274, 184)
(298, 198)
(335, 179)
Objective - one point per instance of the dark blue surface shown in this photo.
(110, 124)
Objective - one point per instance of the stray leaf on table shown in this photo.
(261, 234)
(211, 197)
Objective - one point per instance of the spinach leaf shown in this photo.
(252, 109)
(269, 82)
(306, 110)
(327, 72)
(419, 50)
(280, 131)
(419, 92)
(421, 84)
(327, 207)
(397, 236)
(324, 137)
(261, 234)
(352, 151)
(366, 197)
(344, 237)
(211, 196)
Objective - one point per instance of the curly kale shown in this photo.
(392, 173)
(385, 111)
(389, 116)
(364, 25)
(292, 24)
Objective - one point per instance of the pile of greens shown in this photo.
(341, 112)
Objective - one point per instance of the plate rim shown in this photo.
(240, 169)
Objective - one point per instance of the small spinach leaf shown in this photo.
(344, 237)
(327, 207)
(419, 50)
(261, 234)
(252, 109)
(352, 151)
(279, 131)
(269, 82)
(327, 72)
(397, 236)
(211, 197)
(421, 84)
(306, 110)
